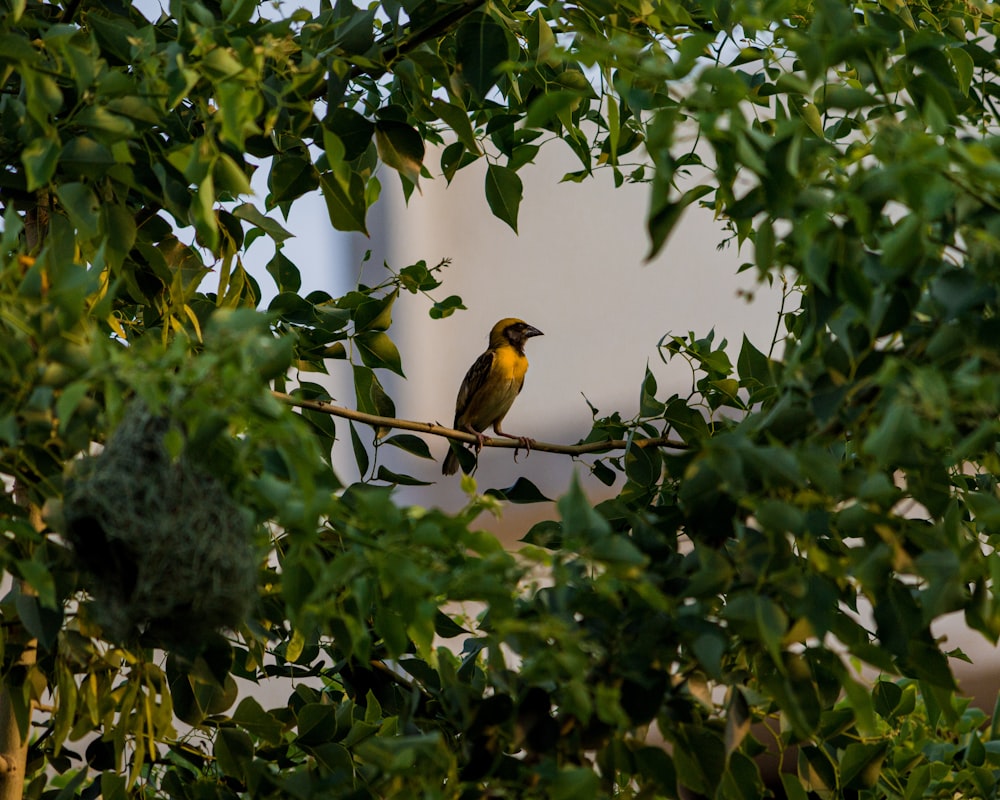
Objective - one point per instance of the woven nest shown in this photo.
(164, 549)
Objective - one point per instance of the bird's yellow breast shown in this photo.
(500, 389)
(510, 365)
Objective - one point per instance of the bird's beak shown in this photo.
(531, 331)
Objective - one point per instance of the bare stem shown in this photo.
(435, 429)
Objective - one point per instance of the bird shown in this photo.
(491, 384)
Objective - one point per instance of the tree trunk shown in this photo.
(14, 741)
(14, 745)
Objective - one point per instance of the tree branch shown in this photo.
(389, 50)
(462, 436)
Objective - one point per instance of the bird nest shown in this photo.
(163, 548)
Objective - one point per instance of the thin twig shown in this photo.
(462, 436)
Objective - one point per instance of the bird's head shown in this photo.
(512, 331)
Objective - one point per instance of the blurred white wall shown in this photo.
(577, 271)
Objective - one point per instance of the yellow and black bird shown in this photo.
(491, 384)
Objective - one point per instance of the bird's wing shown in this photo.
(472, 385)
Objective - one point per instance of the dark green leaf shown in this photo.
(250, 716)
(446, 627)
(82, 207)
(41, 622)
(547, 533)
(400, 147)
(360, 452)
(666, 213)
(317, 723)
(345, 202)
(861, 764)
(503, 193)
(233, 752)
(548, 106)
(458, 120)
(410, 443)
(286, 275)
(291, 176)
(480, 49)
(352, 129)
(523, 491)
(387, 475)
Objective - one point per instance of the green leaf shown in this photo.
(250, 213)
(738, 720)
(291, 176)
(40, 158)
(250, 716)
(547, 533)
(82, 206)
(480, 49)
(44, 98)
(762, 619)
(375, 314)
(817, 771)
(446, 628)
(964, 68)
(764, 246)
(378, 351)
(360, 452)
(574, 783)
(458, 120)
(317, 723)
(861, 764)
(230, 177)
(67, 707)
(649, 406)
(119, 225)
(410, 444)
(503, 193)
(550, 105)
(370, 395)
(580, 521)
(447, 307)
(345, 202)
(353, 130)
(891, 440)
(39, 577)
(793, 787)
(286, 275)
(387, 475)
(40, 621)
(654, 764)
(69, 400)
(400, 147)
(666, 213)
(233, 752)
(848, 98)
(753, 367)
(239, 12)
(643, 465)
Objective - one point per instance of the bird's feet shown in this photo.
(522, 441)
(527, 443)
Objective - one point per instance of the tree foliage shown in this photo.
(836, 497)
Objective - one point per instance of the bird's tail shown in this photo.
(450, 466)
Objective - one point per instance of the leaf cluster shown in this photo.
(836, 499)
